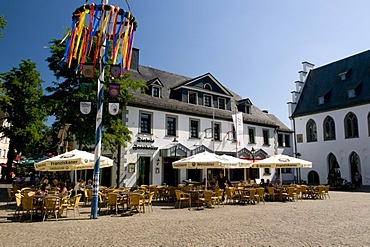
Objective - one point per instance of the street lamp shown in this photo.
(175, 142)
(253, 153)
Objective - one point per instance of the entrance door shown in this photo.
(170, 175)
(143, 171)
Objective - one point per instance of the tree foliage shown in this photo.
(3, 23)
(21, 101)
(65, 97)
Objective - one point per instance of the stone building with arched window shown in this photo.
(330, 115)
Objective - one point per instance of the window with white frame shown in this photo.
(281, 140)
(171, 125)
(193, 98)
(194, 128)
(311, 131)
(351, 125)
(287, 140)
(251, 133)
(221, 103)
(266, 135)
(207, 100)
(156, 91)
(145, 122)
(217, 131)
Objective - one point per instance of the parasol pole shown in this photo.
(98, 129)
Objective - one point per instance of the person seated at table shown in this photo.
(278, 183)
(241, 183)
(262, 183)
(62, 189)
(55, 183)
(268, 183)
(89, 184)
(44, 187)
(81, 188)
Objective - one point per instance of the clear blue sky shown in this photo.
(255, 48)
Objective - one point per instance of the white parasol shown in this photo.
(72, 160)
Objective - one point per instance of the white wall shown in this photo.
(318, 152)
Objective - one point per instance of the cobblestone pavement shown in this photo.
(341, 220)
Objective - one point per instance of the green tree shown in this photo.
(21, 101)
(3, 23)
(65, 97)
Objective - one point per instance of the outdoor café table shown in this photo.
(311, 191)
(280, 190)
(244, 193)
(126, 198)
(195, 194)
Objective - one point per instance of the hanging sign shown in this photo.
(86, 88)
(85, 107)
(114, 90)
(113, 108)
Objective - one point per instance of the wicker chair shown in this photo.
(182, 196)
(137, 201)
(51, 206)
(260, 195)
(28, 206)
(74, 205)
(114, 201)
(148, 201)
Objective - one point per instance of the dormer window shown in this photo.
(156, 92)
(193, 98)
(321, 100)
(247, 109)
(221, 103)
(344, 75)
(208, 86)
(207, 100)
(351, 93)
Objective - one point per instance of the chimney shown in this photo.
(135, 59)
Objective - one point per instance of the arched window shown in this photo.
(208, 86)
(350, 125)
(311, 131)
(355, 164)
(329, 128)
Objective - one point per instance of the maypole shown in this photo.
(109, 27)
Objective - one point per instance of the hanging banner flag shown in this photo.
(238, 124)
(114, 90)
(85, 107)
(86, 87)
(113, 108)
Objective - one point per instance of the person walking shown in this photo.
(357, 179)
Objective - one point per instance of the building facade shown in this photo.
(330, 115)
(174, 119)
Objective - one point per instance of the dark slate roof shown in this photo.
(165, 103)
(326, 82)
(282, 126)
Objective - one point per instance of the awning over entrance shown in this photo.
(247, 154)
(200, 149)
(177, 150)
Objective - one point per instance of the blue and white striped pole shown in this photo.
(98, 131)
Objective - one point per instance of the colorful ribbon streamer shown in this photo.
(95, 22)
